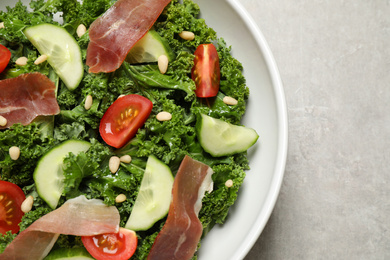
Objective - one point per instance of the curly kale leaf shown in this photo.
(183, 17)
(16, 19)
(33, 215)
(32, 146)
(73, 11)
(215, 107)
(88, 173)
(6, 239)
(215, 205)
(167, 140)
(78, 167)
(232, 81)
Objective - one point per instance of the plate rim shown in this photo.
(281, 106)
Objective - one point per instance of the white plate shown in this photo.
(266, 113)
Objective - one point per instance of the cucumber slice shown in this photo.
(149, 48)
(48, 175)
(62, 51)
(78, 253)
(220, 138)
(154, 196)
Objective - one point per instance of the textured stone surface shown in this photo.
(334, 60)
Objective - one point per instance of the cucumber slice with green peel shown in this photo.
(48, 175)
(154, 196)
(220, 138)
(62, 51)
(78, 253)
(149, 48)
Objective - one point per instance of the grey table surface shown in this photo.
(334, 61)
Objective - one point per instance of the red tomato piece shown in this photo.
(206, 71)
(118, 246)
(11, 198)
(123, 118)
(5, 56)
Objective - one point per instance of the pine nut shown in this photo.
(40, 59)
(27, 204)
(14, 152)
(121, 96)
(163, 63)
(88, 102)
(21, 61)
(125, 158)
(229, 183)
(114, 163)
(3, 121)
(120, 198)
(81, 30)
(230, 101)
(186, 35)
(2, 25)
(164, 116)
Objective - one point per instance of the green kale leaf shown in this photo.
(149, 76)
(32, 146)
(5, 239)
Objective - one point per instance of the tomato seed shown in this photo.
(128, 112)
(9, 203)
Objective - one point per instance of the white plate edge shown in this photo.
(281, 105)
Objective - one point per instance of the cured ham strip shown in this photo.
(27, 96)
(114, 33)
(79, 217)
(180, 235)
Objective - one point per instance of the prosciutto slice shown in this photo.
(180, 235)
(78, 217)
(114, 33)
(27, 96)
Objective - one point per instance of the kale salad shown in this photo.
(186, 130)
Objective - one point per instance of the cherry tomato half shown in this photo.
(206, 71)
(118, 246)
(11, 198)
(5, 56)
(123, 119)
